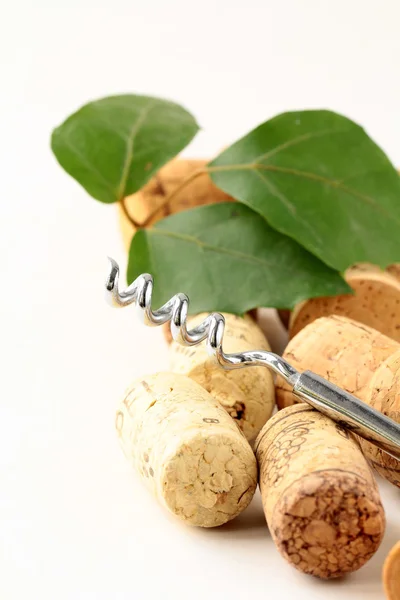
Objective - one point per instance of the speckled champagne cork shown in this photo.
(345, 352)
(384, 395)
(187, 449)
(391, 574)
(375, 302)
(247, 394)
(319, 496)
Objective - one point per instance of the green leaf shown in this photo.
(317, 177)
(113, 146)
(227, 258)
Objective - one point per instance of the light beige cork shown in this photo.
(248, 395)
(384, 395)
(187, 449)
(345, 352)
(320, 498)
(166, 328)
(391, 574)
(144, 204)
(375, 302)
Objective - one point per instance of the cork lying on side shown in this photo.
(384, 395)
(345, 352)
(391, 574)
(375, 302)
(248, 395)
(358, 359)
(187, 449)
(320, 498)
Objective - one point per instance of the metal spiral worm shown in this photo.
(329, 399)
(176, 310)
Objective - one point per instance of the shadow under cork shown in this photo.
(364, 583)
(371, 573)
(367, 581)
(250, 524)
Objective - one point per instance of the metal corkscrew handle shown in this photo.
(329, 399)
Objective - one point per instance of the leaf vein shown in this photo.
(276, 192)
(296, 140)
(205, 246)
(130, 148)
(306, 175)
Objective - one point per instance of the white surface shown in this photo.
(75, 523)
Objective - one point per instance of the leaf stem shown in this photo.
(168, 198)
(131, 220)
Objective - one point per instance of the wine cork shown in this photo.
(384, 395)
(345, 352)
(394, 269)
(391, 574)
(320, 498)
(148, 204)
(375, 302)
(187, 449)
(248, 394)
(166, 328)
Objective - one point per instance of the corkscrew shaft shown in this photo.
(336, 403)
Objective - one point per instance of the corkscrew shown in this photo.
(326, 397)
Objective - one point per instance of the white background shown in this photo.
(75, 522)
